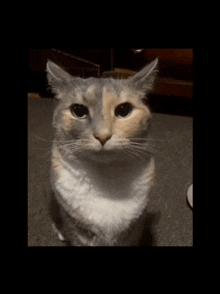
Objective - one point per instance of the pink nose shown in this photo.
(103, 139)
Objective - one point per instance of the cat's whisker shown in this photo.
(147, 139)
(74, 147)
(84, 140)
(76, 151)
(141, 152)
(139, 155)
(68, 144)
(125, 146)
(142, 144)
(65, 147)
(129, 153)
(136, 151)
(64, 143)
(71, 149)
(139, 144)
(53, 141)
(143, 149)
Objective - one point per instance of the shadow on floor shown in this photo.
(149, 237)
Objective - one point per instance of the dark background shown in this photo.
(198, 71)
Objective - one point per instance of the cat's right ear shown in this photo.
(57, 78)
(144, 79)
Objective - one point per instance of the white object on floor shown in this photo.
(190, 195)
(60, 236)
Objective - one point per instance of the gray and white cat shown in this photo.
(101, 170)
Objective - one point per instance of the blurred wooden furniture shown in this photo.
(119, 73)
(175, 72)
(74, 64)
(33, 96)
(173, 87)
(175, 77)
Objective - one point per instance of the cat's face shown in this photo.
(101, 117)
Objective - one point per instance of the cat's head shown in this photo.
(101, 116)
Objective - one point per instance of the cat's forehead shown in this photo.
(93, 93)
(106, 89)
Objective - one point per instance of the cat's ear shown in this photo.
(144, 79)
(57, 78)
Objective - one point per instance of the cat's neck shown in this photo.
(109, 177)
(108, 167)
(117, 192)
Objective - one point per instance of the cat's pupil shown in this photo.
(79, 110)
(123, 109)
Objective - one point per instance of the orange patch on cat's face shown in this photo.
(132, 126)
(110, 101)
(129, 126)
(67, 120)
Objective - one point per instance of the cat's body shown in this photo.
(101, 172)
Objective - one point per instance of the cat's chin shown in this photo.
(104, 156)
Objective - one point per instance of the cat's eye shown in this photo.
(123, 110)
(79, 110)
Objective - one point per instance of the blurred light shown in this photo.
(137, 50)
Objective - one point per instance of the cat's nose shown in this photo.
(103, 138)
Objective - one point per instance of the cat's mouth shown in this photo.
(106, 149)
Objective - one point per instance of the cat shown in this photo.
(101, 170)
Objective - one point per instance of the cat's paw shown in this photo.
(60, 236)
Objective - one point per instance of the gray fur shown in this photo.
(77, 229)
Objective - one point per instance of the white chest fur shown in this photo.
(108, 201)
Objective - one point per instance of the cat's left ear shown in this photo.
(144, 79)
(57, 78)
